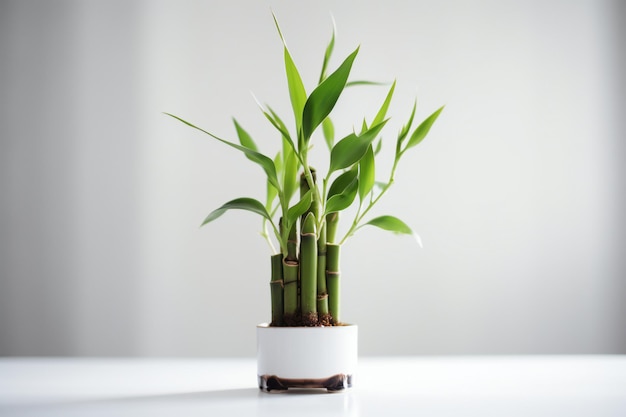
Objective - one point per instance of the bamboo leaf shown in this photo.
(244, 137)
(272, 192)
(290, 174)
(382, 112)
(299, 208)
(325, 96)
(266, 163)
(405, 129)
(297, 93)
(363, 82)
(379, 146)
(327, 54)
(244, 203)
(280, 126)
(351, 149)
(394, 225)
(329, 132)
(343, 200)
(367, 174)
(422, 130)
(363, 126)
(342, 182)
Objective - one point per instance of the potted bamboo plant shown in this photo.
(300, 217)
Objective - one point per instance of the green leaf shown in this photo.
(405, 129)
(363, 126)
(395, 225)
(325, 96)
(379, 146)
(297, 93)
(351, 149)
(367, 174)
(245, 139)
(342, 182)
(422, 130)
(327, 54)
(266, 163)
(382, 112)
(329, 132)
(290, 174)
(363, 82)
(280, 126)
(342, 201)
(244, 203)
(299, 208)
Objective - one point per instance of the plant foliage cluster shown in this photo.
(302, 208)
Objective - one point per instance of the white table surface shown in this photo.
(412, 386)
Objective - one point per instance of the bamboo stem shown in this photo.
(276, 288)
(332, 221)
(333, 281)
(290, 277)
(322, 294)
(308, 271)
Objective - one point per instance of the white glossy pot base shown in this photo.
(306, 357)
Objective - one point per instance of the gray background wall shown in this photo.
(518, 193)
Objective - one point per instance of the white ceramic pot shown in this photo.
(306, 357)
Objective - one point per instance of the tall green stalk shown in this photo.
(276, 288)
(333, 280)
(322, 293)
(308, 271)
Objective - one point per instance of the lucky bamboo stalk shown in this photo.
(276, 288)
(333, 278)
(322, 293)
(332, 220)
(308, 271)
(290, 265)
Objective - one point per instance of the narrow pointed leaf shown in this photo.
(342, 182)
(329, 132)
(325, 96)
(265, 162)
(272, 192)
(327, 55)
(280, 126)
(244, 203)
(382, 112)
(379, 146)
(422, 130)
(299, 208)
(290, 174)
(342, 201)
(367, 174)
(363, 126)
(351, 149)
(363, 82)
(297, 93)
(244, 137)
(405, 129)
(394, 225)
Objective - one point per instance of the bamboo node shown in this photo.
(321, 297)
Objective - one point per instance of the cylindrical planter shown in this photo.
(306, 357)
